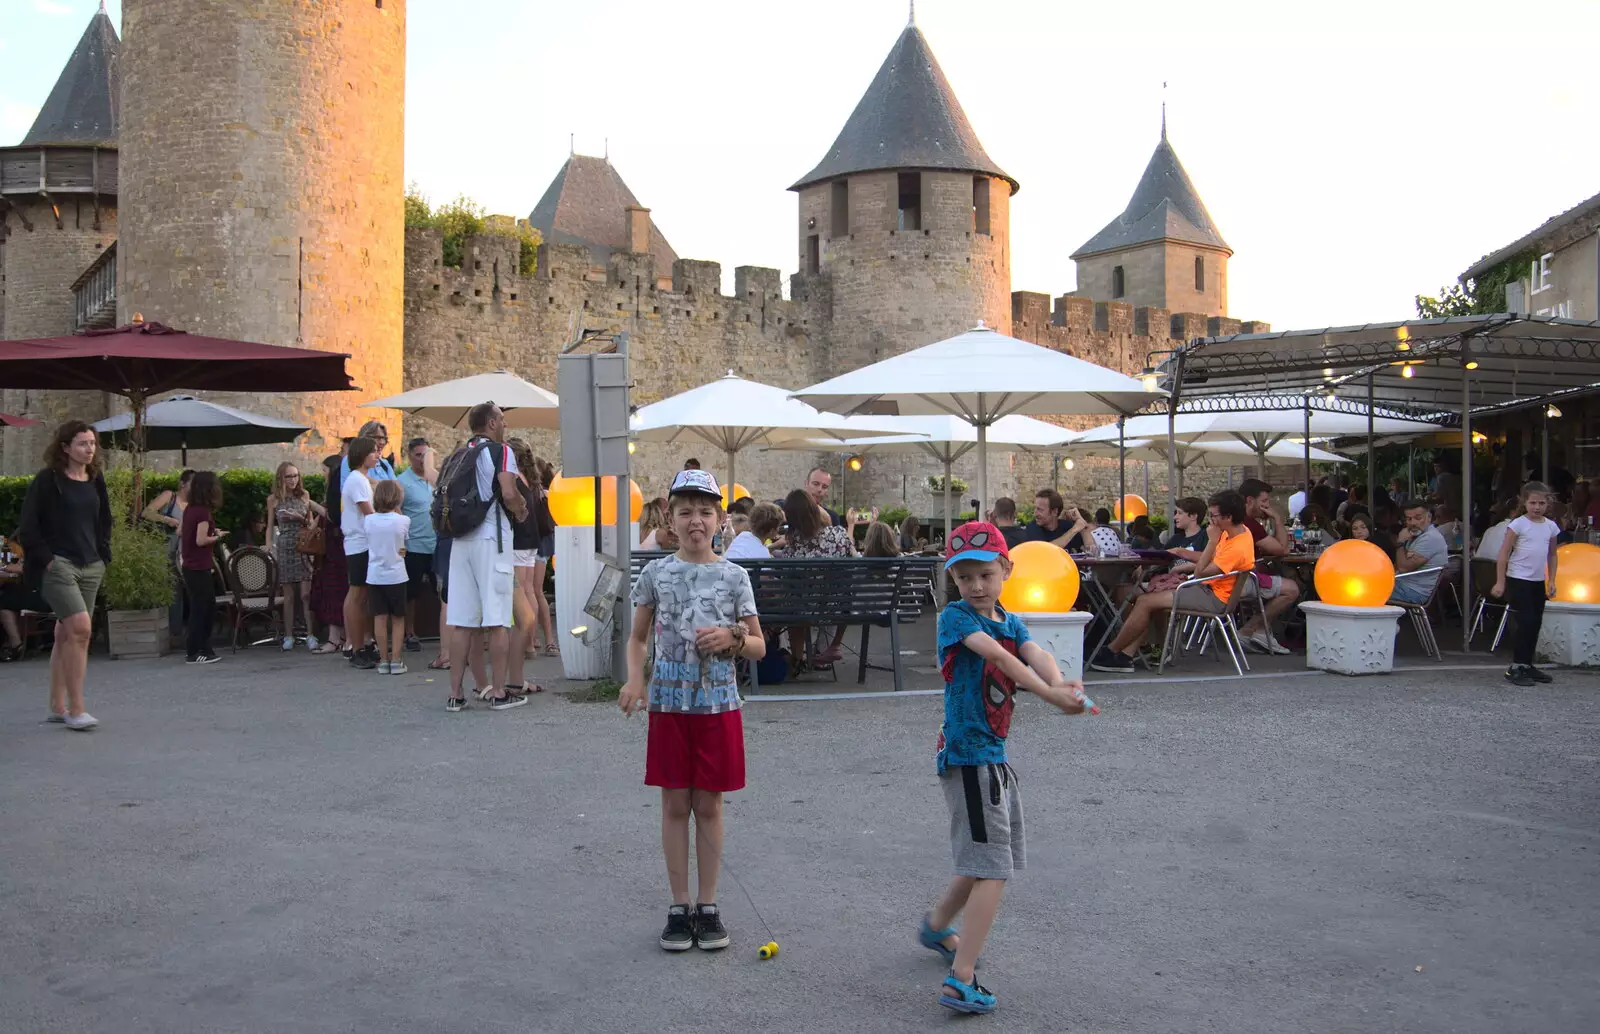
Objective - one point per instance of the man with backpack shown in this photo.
(474, 504)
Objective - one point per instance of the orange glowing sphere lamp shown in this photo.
(572, 501)
(1354, 573)
(739, 492)
(1578, 573)
(1044, 580)
(1133, 506)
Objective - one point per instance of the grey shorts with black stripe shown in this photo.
(986, 835)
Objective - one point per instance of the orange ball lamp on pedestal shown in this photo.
(1578, 573)
(1354, 573)
(1044, 580)
(572, 501)
(739, 492)
(1130, 507)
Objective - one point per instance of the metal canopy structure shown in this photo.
(1517, 358)
(1470, 364)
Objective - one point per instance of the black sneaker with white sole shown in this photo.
(506, 702)
(1537, 674)
(709, 933)
(1518, 675)
(204, 658)
(679, 934)
(455, 704)
(1106, 659)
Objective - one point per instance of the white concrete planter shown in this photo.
(1061, 635)
(1350, 640)
(1570, 634)
(576, 570)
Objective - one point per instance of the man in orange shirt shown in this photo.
(1230, 548)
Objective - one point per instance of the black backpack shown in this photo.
(457, 509)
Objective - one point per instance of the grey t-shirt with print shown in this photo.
(688, 596)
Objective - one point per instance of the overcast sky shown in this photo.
(1352, 154)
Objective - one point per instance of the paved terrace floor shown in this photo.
(278, 843)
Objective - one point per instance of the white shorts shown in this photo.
(481, 584)
(525, 558)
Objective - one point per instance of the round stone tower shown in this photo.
(263, 190)
(58, 215)
(906, 218)
(905, 237)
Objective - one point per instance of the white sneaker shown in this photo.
(81, 722)
(1258, 642)
(1275, 646)
(312, 643)
(383, 667)
(288, 642)
(397, 668)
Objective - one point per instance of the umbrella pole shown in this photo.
(1466, 505)
(983, 465)
(1174, 470)
(1544, 447)
(1411, 478)
(947, 465)
(1122, 472)
(1372, 456)
(732, 480)
(137, 399)
(1307, 444)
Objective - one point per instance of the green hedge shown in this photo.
(244, 492)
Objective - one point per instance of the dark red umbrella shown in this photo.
(7, 420)
(145, 359)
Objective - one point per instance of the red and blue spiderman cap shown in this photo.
(975, 540)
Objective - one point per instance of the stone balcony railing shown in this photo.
(94, 293)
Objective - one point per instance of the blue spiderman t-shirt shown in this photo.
(978, 697)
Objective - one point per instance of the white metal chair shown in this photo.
(1193, 624)
(1421, 623)
(1483, 575)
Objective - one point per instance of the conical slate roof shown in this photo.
(585, 205)
(82, 109)
(909, 118)
(1165, 206)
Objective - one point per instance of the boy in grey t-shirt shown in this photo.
(703, 613)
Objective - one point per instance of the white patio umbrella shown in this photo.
(1211, 453)
(184, 422)
(731, 413)
(524, 403)
(948, 438)
(982, 376)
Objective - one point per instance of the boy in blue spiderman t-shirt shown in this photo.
(987, 656)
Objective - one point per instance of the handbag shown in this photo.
(312, 541)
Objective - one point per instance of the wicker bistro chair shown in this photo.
(1483, 575)
(1204, 624)
(1421, 623)
(253, 583)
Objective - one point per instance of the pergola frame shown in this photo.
(1465, 365)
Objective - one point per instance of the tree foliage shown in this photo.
(462, 218)
(1475, 297)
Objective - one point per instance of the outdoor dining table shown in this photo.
(1098, 595)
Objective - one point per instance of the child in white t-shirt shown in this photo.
(1526, 568)
(387, 530)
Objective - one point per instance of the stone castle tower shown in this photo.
(1163, 250)
(58, 218)
(906, 220)
(263, 187)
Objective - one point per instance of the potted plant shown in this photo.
(138, 582)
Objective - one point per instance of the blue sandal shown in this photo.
(973, 997)
(930, 938)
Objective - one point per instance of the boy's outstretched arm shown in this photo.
(1067, 695)
(985, 646)
(632, 699)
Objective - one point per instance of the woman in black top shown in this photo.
(66, 545)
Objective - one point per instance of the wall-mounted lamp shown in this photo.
(1149, 379)
(1069, 463)
(854, 463)
(1552, 411)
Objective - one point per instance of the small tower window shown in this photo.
(1119, 282)
(840, 208)
(980, 204)
(910, 201)
(813, 254)
(1199, 272)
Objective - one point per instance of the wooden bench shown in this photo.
(866, 591)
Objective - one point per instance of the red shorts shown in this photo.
(695, 751)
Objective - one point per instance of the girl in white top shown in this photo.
(1526, 568)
